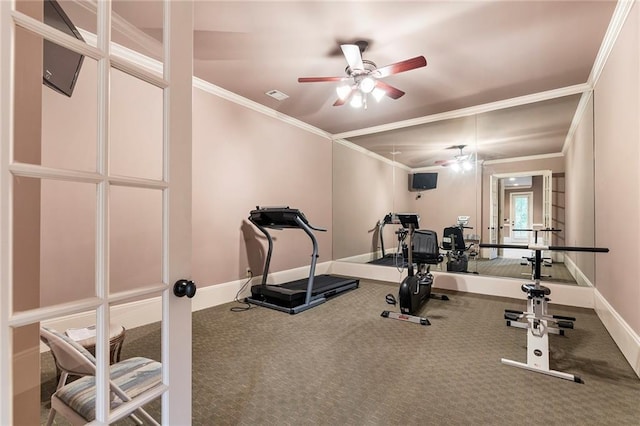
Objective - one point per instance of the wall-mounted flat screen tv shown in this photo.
(423, 181)
(60, 66)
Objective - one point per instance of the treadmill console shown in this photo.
(277, 217)
(408, 219)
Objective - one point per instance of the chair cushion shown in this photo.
(133, 376)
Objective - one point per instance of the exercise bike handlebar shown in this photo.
(543, 247)
(538, 230)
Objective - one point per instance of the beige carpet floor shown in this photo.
(341, 363)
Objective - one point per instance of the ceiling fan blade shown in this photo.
(320, 79)
(391, 91)
(353, 56)
(398, 67)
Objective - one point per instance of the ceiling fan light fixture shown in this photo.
(466, 165)
(367, 84)
(343, 91)
(455, 167)
(357, 100)
(378, 94)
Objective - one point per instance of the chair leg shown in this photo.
(63, 379)
(146, 416)
(52, 415)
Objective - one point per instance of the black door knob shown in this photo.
(184, 288)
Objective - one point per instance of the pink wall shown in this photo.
(363, 192)
(68, 220)
(617, 173)
(242, 159)
(365, 189)
(580, 204)
(455, 195)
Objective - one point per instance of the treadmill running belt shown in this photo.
(293, 293)
(390, 260)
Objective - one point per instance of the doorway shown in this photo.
(521, 212)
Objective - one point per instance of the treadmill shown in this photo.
(396, 258)
(300, 295)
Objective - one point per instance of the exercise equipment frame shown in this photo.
(538, 323)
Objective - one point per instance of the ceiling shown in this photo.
(502, 77)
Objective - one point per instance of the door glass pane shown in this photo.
(54, 242)
(143, 339)
(79, 328)
(135, 239)
(138, 26)
(126, 341)
(521, 216)
(72, 17)
(26, 373)
(60, 131)
(136, 148)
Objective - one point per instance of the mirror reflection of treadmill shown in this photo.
(294, 296)
(398, 257)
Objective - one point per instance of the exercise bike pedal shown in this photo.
(562, 317)
(512, 316)
(565, 324)
(439, 296)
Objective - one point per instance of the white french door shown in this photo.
(95, 199)
(521, 211)
(493, 217)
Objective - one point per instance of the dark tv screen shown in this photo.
(60, 66)
(424, 181)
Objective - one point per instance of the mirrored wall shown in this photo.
(539, 157)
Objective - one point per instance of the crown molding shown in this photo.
(371, 154)
(465, 112)
(248, 103)
(622, 10)
(528, 158)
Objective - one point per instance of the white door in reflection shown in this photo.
(522, 214)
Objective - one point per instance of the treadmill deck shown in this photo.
(293, 293)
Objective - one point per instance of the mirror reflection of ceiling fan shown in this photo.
(363, 77)
(459, 162)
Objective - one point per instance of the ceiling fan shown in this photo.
(458, 162)
(363, 77)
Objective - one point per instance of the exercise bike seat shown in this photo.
(533, 291)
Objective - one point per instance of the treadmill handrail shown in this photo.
(302, 223)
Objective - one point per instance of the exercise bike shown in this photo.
(530, 260)
(415, 289)
(538, 323)
(458, 252)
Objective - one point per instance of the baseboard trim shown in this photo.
(147, 311)
(628, 341)
(561, 294)
(576, 273)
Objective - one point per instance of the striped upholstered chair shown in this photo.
(76, 400)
